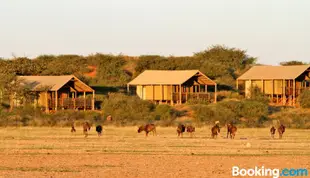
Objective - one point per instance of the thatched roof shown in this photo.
(52, 83)
(274, 72)
(169, 77)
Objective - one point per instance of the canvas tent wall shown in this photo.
(171, 86)
(282, 84)
(59, 92)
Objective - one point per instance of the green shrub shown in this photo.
(166, 115)
(203, 113)
(167, 112)
(252, 109)
(162, 112)
(128, 110)
(29, 116)
(257, 95)
(225, 115)
(254, 113)
(208, 114)
(197, 101)
(222, 95)
(304, 99)
(294, 118)
(233, 105)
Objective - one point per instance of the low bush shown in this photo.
(253, 113)
(257, 95)
(127, 110)
(293, 118)
(208, 114)
(222, 95)
(304, 99)
(29, 116)
(252, 109)
(198, 101)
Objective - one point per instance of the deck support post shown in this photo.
(186, 90)
(251, 88)
(128, 89)
(84, 96)
(215, 91)
(46, 102)
(56, 100)
(272, 91)
(237, 84)
(93, 101)
(180, 92)
(283, 92)
(171, 95)
(198, 91)
(74, 100)
(161, 93)
(152, 86)
(294, 92)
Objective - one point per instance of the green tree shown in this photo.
(66, 65)
(109, 69)
(289, 63)
(219, 61)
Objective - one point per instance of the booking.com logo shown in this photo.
(275, 173)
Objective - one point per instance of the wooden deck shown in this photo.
(193, 96)
(71, 103)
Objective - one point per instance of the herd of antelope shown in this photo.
(215, 130)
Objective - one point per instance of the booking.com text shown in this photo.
(274, 173)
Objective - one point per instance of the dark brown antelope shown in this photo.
(231, 130)
(190, 129)
(147, 128)
(215, 131)
(99, 130)
(72, 128)
(86, 128)
(281, 130)
(180, 130)
(272, 132)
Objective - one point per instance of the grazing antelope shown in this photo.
(86, 128)
(72, 128)
(231, 130)
(180, 130)
(215, 131)
(147, 128)
(272, 132)
(190, 129)
(281, 130)
(99, 130)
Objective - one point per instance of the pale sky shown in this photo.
(272, 30)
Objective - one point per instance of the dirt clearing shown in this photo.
(122, 152)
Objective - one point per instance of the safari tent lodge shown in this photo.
(52, 93)
(283, 84)
(173, 86)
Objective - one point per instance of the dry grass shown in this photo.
(119, 152)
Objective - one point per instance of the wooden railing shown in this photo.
(288, 91)
(71, 103)
(193, 96)
(298, 91)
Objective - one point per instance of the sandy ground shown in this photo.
(121, 152)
